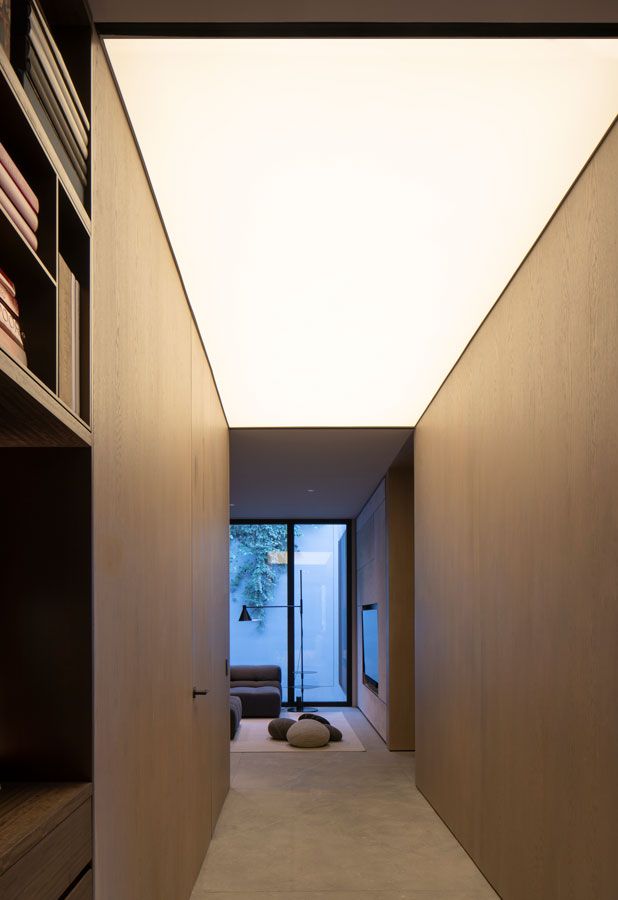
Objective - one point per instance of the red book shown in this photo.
(18, 220)
(6, 281)
(9, 300)
(12, 348)
(19, 179)
(15, 196)
(9, 323)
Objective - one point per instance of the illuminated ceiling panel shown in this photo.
(346, 212)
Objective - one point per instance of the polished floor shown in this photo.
(333, 826)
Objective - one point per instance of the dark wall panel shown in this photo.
(46, 664)
(516, 506)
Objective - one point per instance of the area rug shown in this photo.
(253, 737)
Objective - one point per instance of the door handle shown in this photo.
(197, 693)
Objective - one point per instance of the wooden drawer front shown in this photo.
(83, 888)
(47, 870)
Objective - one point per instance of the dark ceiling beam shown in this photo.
(397, 11)
(354, 30)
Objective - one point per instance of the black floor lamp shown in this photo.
(245, 616)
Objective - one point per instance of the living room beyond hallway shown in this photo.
(317, 825)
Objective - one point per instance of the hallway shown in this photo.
(333, 826)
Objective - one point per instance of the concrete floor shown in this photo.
(333, 826)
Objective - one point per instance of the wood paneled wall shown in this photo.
(371, 587)
(160, 517)
(211, 507)
(385, 576)
(516, 490)
(400, 550)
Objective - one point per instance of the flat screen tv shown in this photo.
(370, 646)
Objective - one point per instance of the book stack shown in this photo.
(51, 91)
(18, 200)
(11, 337)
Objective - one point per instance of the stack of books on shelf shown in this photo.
(52, 93)
(21, 206)
(11, 337)
(18, 200)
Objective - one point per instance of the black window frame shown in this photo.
(291, 635)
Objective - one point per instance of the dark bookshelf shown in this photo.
(46, 522)
(65, 229)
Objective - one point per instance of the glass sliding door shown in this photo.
(320, 553)
(258, 578)
(266, 561)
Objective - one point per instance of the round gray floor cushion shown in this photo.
(308, 733)
(278, 728)
(313, 716)
(335, 734)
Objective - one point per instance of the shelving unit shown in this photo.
(45, 531)
(64, 228)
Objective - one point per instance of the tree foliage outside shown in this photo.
(252, 577)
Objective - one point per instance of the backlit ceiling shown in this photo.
(346, 212)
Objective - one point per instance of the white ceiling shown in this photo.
(346, 212)
(314, 473)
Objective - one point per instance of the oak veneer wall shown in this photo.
(371, 586)
(516, 529)
(384, 576)
(160, 556)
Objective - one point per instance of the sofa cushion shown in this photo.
(235, 714)
(270, 674)
(258, 702)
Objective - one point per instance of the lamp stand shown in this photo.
(299, 704)
(245, 616)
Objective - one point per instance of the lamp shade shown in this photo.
(245, 615)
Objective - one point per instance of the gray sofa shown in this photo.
(235, 715)
(259, 690)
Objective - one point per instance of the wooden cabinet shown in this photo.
(45, 839)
